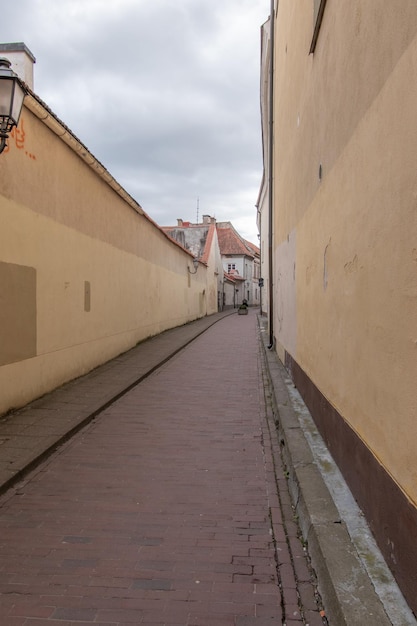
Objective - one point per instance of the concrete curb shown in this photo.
(347, 591)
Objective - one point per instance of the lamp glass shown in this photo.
(18, 97)
(6, 96)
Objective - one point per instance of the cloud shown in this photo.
(165, 95)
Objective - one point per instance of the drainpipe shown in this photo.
(271, 177)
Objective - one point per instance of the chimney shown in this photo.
(22, 60)
(206, 219)
(179, 222)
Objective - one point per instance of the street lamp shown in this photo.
(12, 95)
(195, 265)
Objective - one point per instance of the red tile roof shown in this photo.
(235, 275)
(255, 249)
(230, 242)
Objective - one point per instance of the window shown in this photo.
(230, 267)
(319, 6)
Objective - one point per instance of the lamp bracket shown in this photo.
(3, 141)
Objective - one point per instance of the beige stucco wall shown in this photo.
(95, 274)
(229, 294)
(214, 273)
(263, 204)
(263, 226)
(285, 305)
(351, 108)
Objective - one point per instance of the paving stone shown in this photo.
(165, 508)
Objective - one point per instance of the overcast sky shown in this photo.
(165, 93)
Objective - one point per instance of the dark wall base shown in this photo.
(390, 515)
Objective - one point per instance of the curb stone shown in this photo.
(347, 591)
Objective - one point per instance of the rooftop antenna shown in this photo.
(198, 208)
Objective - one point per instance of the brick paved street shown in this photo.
(169, 508)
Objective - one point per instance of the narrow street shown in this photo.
(170, 508)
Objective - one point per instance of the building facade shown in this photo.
(241, 260)
(85, 274)
(263, 205)
(343, 233)
(201, 241)
(233, 264)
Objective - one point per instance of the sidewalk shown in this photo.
(356, 584)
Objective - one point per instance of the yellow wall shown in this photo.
(214, 275)
(345, 247)
(84, 273)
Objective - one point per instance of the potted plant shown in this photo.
(243, 308)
